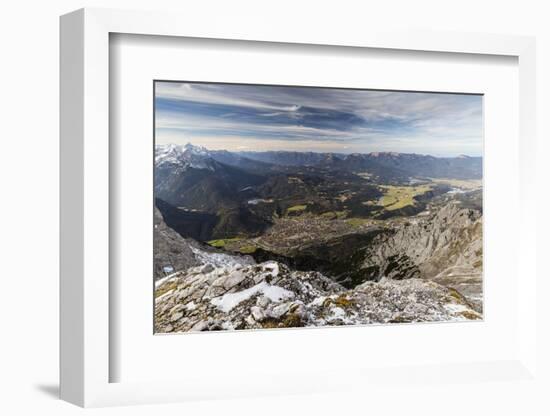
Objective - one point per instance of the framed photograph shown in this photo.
(345, 217)
(242, 207)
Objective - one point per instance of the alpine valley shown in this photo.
(278, 239)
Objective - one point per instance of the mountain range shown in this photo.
(217, 194)
(275, 239)
(403, 164)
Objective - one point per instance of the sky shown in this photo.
(239, 117)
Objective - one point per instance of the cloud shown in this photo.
(348, 120)
(217, 94)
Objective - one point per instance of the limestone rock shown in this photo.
(270, 295)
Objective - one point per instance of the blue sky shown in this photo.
(251, 117)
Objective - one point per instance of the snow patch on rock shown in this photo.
(221, 259)
(228, 301)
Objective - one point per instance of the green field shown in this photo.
(247, 249)
(467, 184)
(331, 215)
(223, 241)
(238, 243)
(397, 197)
(297, 208)
(358, 222)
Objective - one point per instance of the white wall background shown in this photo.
(29, 186)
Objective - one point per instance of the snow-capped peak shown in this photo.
(168, 153)
(196, 150)
(189, 155)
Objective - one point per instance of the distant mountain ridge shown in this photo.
(293, 158)
(405, 164)
(393, 165)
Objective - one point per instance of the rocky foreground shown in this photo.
(270, 295)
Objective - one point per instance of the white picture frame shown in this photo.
(85, 212)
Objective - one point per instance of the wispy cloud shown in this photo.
(318, 119)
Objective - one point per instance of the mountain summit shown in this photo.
(189, 155)
(196, 150)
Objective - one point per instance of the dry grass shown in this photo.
(165, 288)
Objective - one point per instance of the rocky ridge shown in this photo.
(446, 247)
(270, 295)
(170, 249)
(172, 252)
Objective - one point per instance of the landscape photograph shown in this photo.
(293, 207)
